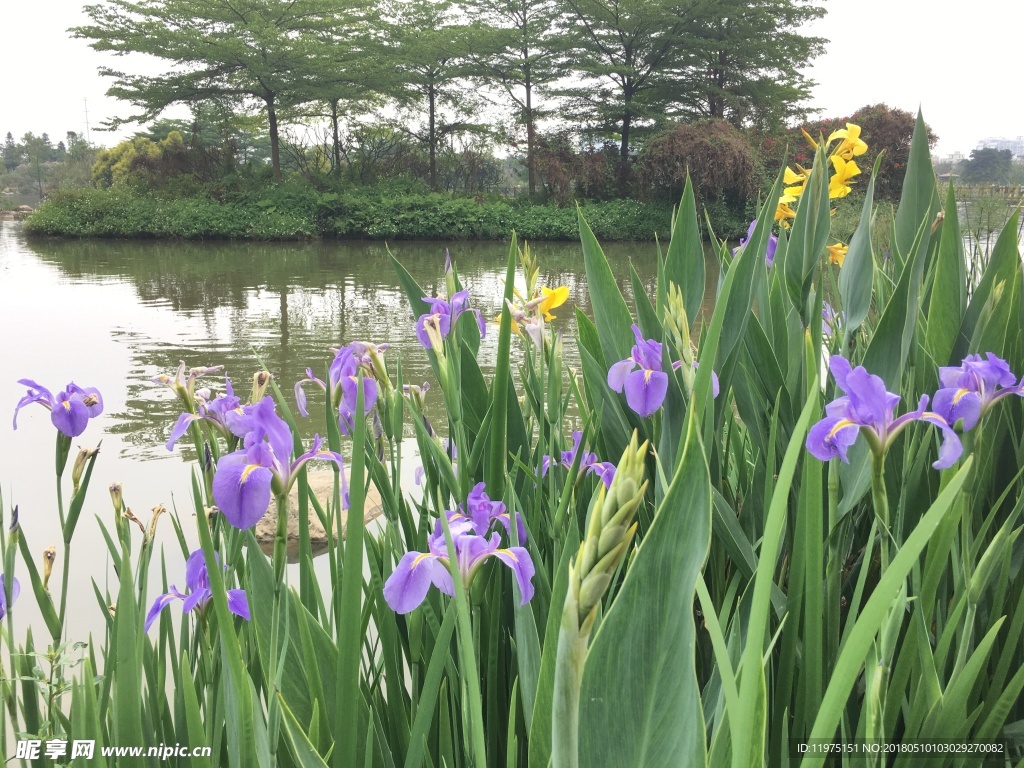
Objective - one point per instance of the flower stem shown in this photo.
(470, 670)
(881, 504)
(565, 710)
(66, 560)
(281, 538)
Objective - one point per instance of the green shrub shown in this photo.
(297, 211)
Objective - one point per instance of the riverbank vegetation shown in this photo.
(799, 526)
(505, 104)
(298, 211)
(161, 184)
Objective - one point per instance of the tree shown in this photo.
(432, 54)
(645, 60)
(988, 165)
(521, 55)
(263, 50)
(36, 150)
(625, 50)
(12, 154)
(743, 64)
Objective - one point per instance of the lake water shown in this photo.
(114, 314)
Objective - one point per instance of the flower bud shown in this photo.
(14, 519)
(610, 531)
(84, 454)
(116, 497)
(158, 510)
(677, 327)
(49, 555)
(260, 381)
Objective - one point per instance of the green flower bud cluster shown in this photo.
(677, 330)
(609, 534)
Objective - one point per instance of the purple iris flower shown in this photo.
(245, 479)
(15, 591)
(773, 242)
(343, 378)
(222, 412)
(605, 470)
(70, 410)
(482, 511)
(971, 388)
(645, 388)
(197, 582)
(408, 585)
(445, 314)
(830, 319)
(868, 409)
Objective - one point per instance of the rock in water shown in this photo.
(321, 485)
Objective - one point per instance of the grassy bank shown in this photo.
(300, 214)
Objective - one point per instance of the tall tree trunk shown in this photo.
(337, 142)
(275, 141)
(531, 133)
(432, 137)
(627, 123)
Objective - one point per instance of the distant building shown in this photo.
(1016, 146)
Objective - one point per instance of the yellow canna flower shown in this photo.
(839, 184)
(810, 141)
(836, 253)
(515, 326)
(783, 213)
(797, 181)
(553, 297)
(851, 144)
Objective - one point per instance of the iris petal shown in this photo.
(238, 603)
(518, 559)
(618, 372)
(956, 403)
(831, 437)
(70, 416)
(645, 391)
(158, 605)
(241, 490)
(407, 586)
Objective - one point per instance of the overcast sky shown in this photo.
(961, 62)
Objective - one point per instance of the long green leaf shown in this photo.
(684, 262)
(847, 668)
(640, 700)
(949, 288)
(610, 312)
(857, 277)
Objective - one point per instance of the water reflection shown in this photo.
(226, 303)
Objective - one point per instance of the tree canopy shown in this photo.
(243, 50)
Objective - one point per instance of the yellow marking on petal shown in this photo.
(647, 375)
(249, 469)
(510, 553)
(841, 424)
(960, 394)
(419, 559)
(67, 405)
